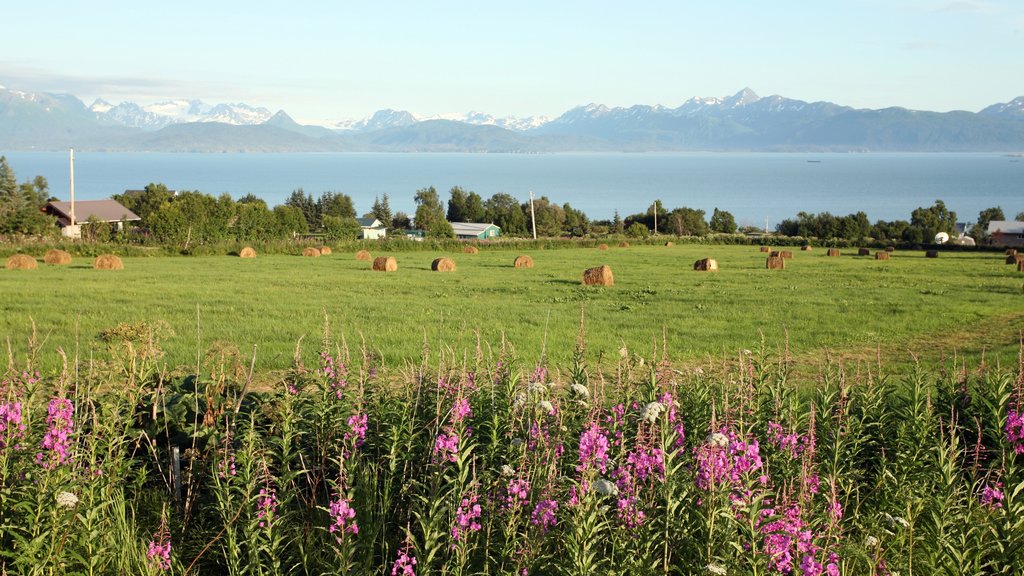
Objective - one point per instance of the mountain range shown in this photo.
(741, 122)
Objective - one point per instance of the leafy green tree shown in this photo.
(894, 230)
(638, 230)
(474, 208)
(576, 222)
(290, 220)
(722, 222)
(306, 205)
(505, 212)
(457, 205)
(20, 204)
(401, 221)
(335, 204)
(339, 228)
(254, 222)
(980, 230)
(143, 204)
(1019, 217)
(930, 221)
(686, 222)
(193, 218)
(430, 215)
(550, 217)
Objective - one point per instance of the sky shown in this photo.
(329, 60)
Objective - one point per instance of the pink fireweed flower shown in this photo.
(158, 555)
(405, 564)
(992, 496)
(266, 507)
(337, 375)
(12, 425)
(1015, 430)
(356, 429)
(461, 410)
(466, 518)
(647, 463)
(343, 518)
(726, 459)
(446, 447)
(789, 442)
(56, 443)
(543, 515)
(518, 493)
(835, 509)
(593, 449)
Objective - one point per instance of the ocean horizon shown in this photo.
(755, 187)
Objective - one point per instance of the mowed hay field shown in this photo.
(966, 302)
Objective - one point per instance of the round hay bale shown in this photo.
(890, 248)
(247, 252)
(600, 276)
(765, 249)
(706, 265)
(364, 256)
(806, 248)
(325, 250)
(107, 262)
(786, 254)
(443, 265)
(55, 256)
(523, 261)
(882, 255)
(385, 264)
(311, 252)
(834, 252)
(775, 263)
(21, 262)
(670, 244)
(863, 252)
(602, 246)
(470, 250)
(931, 254)
(623, 244)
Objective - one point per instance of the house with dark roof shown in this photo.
(1008, 233)
(85, 211)
(371, 229)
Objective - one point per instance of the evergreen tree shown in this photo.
(457, 205)
(723, 222)
(618, 227)
(474, 208)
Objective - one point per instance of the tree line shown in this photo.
(195, 218)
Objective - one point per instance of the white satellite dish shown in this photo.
(941, 238)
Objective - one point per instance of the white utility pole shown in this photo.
(533, 216)
(72, 187)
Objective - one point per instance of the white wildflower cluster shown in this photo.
(717, 570)
(507, 470)
(606, 488)
(651, 412)
(66, 500)
(580, 391)
(545, 406)
(718, 439)
(870, 542)
(538, 388)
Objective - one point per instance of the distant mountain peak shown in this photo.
(741, 98)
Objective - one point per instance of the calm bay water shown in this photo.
(753, 186)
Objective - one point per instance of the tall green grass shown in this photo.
(477, 461)
(961, 301)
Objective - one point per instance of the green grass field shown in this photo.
(850, 305)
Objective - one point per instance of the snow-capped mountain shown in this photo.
(1013, 108)
(161, 114)
(389, 118)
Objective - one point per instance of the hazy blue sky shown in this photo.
(334, 59)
